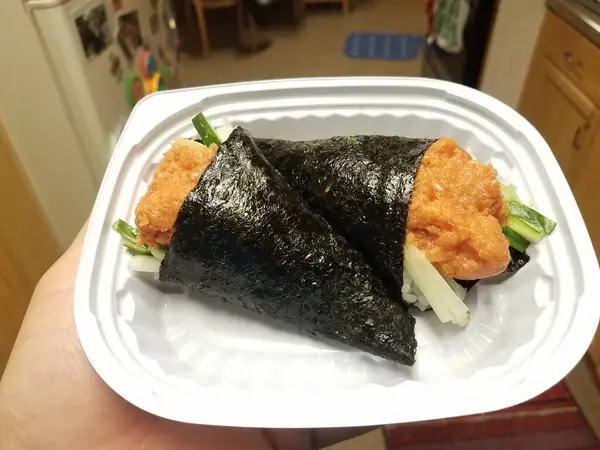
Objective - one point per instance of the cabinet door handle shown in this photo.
(571, 60)
(576, 142)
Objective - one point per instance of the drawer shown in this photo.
(572, 53)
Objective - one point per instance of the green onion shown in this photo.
(125, 230)
(130, 235)
(516, 240)
(205, 130)
(137, 249)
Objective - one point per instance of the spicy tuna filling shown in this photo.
(457, 212)
(176, 175)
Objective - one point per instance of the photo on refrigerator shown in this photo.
(129, 35)
(94, 31)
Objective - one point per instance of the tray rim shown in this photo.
(155, 109)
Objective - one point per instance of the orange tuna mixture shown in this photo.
(177, 174)
(457, 212)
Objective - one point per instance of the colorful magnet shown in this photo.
(134, 89)
(154, 84)
(147, 64)
(129, 35)
(116, 68)
(165, 79)
(161, 82)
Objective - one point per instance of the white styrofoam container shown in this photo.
(188, 357)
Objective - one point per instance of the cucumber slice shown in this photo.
(508, 192)
(144, 263)
(444, 301)
(516, 240)
(158, 253)
(531, 217)
(525, 229)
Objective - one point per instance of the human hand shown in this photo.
(51, 397)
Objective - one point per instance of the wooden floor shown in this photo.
(551, 421)
(566, 417)
(315, 48)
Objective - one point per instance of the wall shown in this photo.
(37, 124)
(513, 40)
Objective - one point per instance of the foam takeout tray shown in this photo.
(187, 356)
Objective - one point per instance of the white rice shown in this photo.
(412, 295)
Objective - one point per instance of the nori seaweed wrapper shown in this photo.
(362, 185)
(243, 232)
(517, 260)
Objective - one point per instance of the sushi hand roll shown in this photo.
(384, 191)
(429, 219)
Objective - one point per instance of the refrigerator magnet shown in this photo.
(116, 68)
(134, 88)
(147, 64)
(154, 84)
(129, 35)
(93, 30)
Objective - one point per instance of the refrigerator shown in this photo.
(104, 55)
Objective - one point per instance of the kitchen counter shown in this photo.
(580, 16)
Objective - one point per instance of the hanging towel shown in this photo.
(447, 20)
(430, 10)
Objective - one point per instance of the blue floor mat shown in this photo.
(383, 46)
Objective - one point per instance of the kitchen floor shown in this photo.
(565, 417)
(374, 440)
(315, 47)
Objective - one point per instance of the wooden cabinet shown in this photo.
(27, 246)
(562, 113)
(561, 98)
